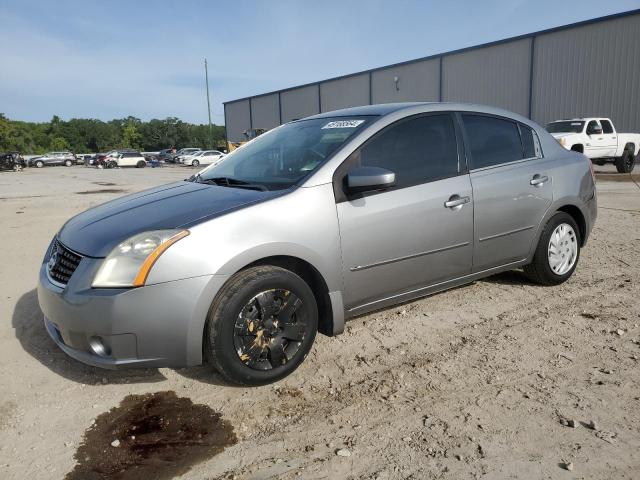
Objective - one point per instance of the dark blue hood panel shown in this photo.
(98, 230)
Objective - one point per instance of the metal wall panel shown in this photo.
(237, 120)
(345, 93)
(299, 103)
(265, 111)
(590, 70)
(497, 75)
(418, 81)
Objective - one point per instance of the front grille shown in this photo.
(62, 263)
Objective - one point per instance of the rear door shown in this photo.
(610, 137)
(406, 237)
(512, 188)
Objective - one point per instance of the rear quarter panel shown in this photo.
(572, 186)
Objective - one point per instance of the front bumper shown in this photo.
(153, 326)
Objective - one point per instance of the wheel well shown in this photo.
(577, 148)
(631, 147)
(577, 215)
(314, 279)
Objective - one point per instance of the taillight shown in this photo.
(593, 172)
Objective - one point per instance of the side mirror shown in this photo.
(365, 179)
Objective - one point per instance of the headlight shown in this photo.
(129, 264)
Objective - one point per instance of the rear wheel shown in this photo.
(261, 326)
(141, 164)
(195, 163)
(557, 253)
(626, 163)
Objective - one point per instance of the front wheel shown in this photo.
(261, 326)
(195, 163)
(68, 163)
(39, 164)
(557, 253)
(626, 162)
(141, 164)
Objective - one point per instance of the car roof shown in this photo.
(381, 109)
(421, 107)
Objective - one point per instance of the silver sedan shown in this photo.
(312, 223)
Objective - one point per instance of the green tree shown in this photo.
(59, 143)
(130, 135)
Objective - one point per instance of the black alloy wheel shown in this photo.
(269, 330)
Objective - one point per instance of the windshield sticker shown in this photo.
(344, 124)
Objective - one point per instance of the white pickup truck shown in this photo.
(597, 139)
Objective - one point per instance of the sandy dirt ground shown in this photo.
(483, 381)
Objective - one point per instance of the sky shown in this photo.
(112, 59)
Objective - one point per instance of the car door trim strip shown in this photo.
(408, 257)
(504, 234)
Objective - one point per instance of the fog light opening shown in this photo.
(98, 347)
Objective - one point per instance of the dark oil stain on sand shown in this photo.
(158, 436)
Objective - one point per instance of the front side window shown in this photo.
(282, 157)
(592, 127)
(492, 141)
(417, 150)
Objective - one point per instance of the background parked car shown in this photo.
(598, 139)
(128, 159)
(166, 154)
(205, 157)
(12, 161)
(53, 158)
(184, 151)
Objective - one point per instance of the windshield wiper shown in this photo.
(232, 182)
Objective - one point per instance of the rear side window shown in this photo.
(530, 142)
(417, 150)
(492, 141)
(606, 126)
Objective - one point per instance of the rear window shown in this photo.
(565, 127)
(492, 140)
(606, 126)
(530, 142)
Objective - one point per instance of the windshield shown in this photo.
(282, 157)
(565, 127)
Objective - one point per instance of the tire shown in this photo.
(195, 163)
(39, 164)
(241, 319)
(540, 270)
(68, 163)
(141, 164)
(626, 163)
(111, 165)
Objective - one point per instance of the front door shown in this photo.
(598, 144)
(415, 234)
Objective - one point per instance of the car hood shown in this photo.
(97, 231)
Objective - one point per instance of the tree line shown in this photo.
(87, 135)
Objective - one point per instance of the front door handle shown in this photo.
(456, 202)
(539, 180)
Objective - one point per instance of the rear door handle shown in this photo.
(456, 202)
(538, 180)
